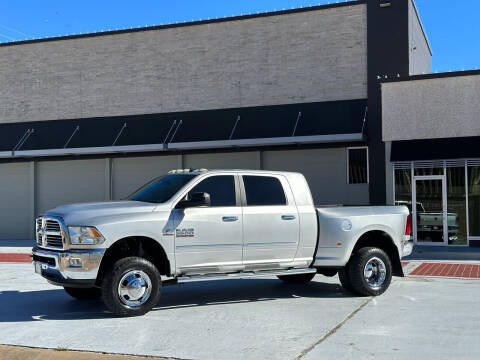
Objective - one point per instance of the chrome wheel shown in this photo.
(375, 273)
(134, 288)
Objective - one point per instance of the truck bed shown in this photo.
(341, 227)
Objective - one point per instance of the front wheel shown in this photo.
(131, 287)
(297, 279)
(370, 271)
(83, 293)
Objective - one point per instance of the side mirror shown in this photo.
(196, 200)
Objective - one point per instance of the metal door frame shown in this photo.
(444, 209)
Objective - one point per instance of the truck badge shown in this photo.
(185, 232)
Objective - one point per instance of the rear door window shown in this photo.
(263, 191)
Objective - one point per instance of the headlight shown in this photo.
(85, 235)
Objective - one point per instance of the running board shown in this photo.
(244, 275)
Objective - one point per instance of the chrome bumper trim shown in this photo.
(71, 264)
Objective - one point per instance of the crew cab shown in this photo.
(200, 225)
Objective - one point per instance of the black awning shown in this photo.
(195, 127)
(436, 149)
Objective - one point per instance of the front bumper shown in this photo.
(74, 268)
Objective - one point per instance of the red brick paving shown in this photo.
(466, 271)
(15, 258)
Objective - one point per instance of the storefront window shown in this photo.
(428, 171)
(457, 206)
(358, 166)
(403, 188)
(474, 200)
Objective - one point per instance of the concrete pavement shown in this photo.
(252, 319)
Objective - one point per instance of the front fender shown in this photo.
(152, 225)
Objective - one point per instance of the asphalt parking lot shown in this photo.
(252, 319)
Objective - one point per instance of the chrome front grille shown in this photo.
(49, 233)
(52, 225)
(37, 229)
(55, 241)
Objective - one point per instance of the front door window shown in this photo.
(457, 206)
(429, 217)
(474, 200)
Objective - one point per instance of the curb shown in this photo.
(15, 258)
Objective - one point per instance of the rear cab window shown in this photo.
(263, 191)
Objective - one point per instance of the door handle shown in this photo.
(230, 218)
(288, 217)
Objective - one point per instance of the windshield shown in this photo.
(162, 188)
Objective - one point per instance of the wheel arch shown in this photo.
(140, 246)
(381, 240)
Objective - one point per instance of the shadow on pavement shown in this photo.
(57, 305)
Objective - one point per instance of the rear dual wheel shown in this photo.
(368, 273)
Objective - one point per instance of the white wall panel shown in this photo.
(128, 174)
(70, 181)
(16, 195)
(236, 160)
(325, 171)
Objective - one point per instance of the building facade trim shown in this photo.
(293, 140)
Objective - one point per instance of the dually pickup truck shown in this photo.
(200, 225)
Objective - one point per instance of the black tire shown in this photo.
(120, 269)
(297, 279)
(356, 271)
(345, 280)
(83, 293)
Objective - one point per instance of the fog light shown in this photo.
(75, 263)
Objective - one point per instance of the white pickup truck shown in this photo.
(196, 225)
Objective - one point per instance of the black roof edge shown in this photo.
(126, 117)
(185, 24)
(344, 144)
(429, 76)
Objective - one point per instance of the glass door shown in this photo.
(430, 210)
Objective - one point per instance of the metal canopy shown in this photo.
(338, 121)
(436, 149)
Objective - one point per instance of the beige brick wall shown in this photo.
(299, 57)
(431, 108)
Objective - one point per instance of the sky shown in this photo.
(452, 26)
